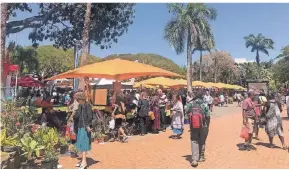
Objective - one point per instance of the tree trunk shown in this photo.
(189, 64)
(4, 17)
(258, 64)
(215, 72)
(201, 62)
(85, 37)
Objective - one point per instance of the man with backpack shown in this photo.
(199, 118)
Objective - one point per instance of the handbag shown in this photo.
(244, 133)
(262, 120)
(151, 115)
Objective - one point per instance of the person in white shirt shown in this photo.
(239, 96)
(208, 100)
(162, 105)
(222, 99)
(189, 98)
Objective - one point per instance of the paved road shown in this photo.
(158, 151)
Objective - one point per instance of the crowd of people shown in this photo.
(157, 110)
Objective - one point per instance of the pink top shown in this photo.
(248, 108)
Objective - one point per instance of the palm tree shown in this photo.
(85, 41)
(186, 27)
(284, 54)
(259, 43)
(26, 58)
(203, 44)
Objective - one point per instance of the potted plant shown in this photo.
(63, 141)
(30, 147)
(39, 137)
(8, 143)
(50, 160)
(50, 138)
(101, 138)
(93, 136)
(74, 152)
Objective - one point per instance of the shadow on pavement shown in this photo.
(89, 161)
(188, 158)
(267, 145)
(241, 147)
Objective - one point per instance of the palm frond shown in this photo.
(175, 34)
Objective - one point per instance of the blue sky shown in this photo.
(234, 21)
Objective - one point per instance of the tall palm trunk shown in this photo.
(215, 72)
(258, 64)
(85, 39)
(201, 62)
(4, 17)
(189, 63)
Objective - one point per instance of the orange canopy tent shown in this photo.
(115, 69)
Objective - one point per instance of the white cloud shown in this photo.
(243, 60)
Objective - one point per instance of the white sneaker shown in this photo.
(83, 167)
(78, 164)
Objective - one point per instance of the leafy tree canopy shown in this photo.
(63, 22)
(53, 60)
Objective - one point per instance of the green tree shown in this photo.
(54, 61)
(185, 28)
(85, 41)
(284, 54)
(259, 43)
(61, 23)
(204, 44)
(26, 58)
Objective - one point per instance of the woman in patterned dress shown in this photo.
(154, 107)
(273, 121)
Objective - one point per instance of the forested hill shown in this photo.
(150, 59)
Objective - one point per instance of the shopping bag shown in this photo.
(245, 133)
(112, 124)
(151, 115)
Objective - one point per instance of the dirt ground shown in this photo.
(159, 151)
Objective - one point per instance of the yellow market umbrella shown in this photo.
(115, 69)
(220, 85)
(210, 85)
(163, 81)
(138, 85)
(228, 86)
(198, 84)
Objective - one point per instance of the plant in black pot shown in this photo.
(8, 143)
(63, 141)
(50, 160)
(30, 148)
(74, 152)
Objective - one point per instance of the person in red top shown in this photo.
(249, 117)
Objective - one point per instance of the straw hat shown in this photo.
(80, 96)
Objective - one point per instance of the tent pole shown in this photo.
(15, 94)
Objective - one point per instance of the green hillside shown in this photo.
(151, 59)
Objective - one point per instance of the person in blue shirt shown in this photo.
(66, 98)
